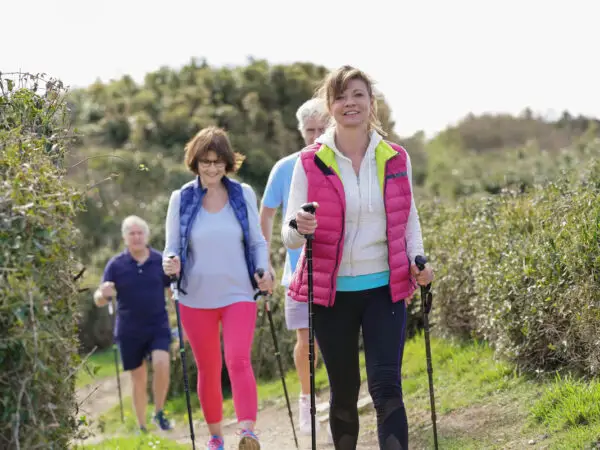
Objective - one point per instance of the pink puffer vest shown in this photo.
(325, 187)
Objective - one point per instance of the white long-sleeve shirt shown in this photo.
(216, 271)
(365, 242)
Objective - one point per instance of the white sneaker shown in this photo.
(304, 414)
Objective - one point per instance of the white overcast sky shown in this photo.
(434, 60)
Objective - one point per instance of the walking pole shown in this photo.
(111, 312)
(175, 291)
(311, 208)
(426, 302)
(260, 273)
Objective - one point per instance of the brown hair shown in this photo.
(336, 83)
(215, 139)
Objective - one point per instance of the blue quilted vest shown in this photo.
(192, 194)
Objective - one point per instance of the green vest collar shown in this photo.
(383, 153)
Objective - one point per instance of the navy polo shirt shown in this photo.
(140, 290)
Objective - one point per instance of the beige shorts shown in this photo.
(296, 314)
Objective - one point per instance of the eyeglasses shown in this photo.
(206, 163)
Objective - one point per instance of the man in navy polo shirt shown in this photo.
(136, 278)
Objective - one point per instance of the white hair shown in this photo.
(134, 220)
(315, 107)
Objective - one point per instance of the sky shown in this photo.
(434, 60)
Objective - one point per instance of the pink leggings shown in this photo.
(202, 329)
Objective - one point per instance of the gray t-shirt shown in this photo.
(216, 272)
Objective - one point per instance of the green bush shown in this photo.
(454, 172)
(38, 334)
(522, 270)
(447, 234)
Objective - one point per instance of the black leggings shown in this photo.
(384, 328)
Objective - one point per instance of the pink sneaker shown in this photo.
(216, 443)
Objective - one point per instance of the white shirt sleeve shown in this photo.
(172, 225)
(414, 238)
(298, 196)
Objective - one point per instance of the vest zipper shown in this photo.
(337, 256)
(357, 222)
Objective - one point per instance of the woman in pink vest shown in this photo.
(364, 248)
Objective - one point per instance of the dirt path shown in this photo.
(275, 431)
(273, 425)
(494, 425)
(101, 395)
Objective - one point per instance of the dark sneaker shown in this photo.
(248, 441)
(161, 421)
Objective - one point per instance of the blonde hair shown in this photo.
(336, 83)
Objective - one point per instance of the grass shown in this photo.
(99, 365)
(570, 410)
(463, 374)
(136, 443)
(481, 402)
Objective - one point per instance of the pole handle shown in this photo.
(311, 208)
(261, 273)
(173, 277)
(426, 297)
(420, 261)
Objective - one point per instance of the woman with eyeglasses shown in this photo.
(213, 229)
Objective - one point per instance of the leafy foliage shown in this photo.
(522, 270)
(38, 345)
(143, 127)
(455, 171)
